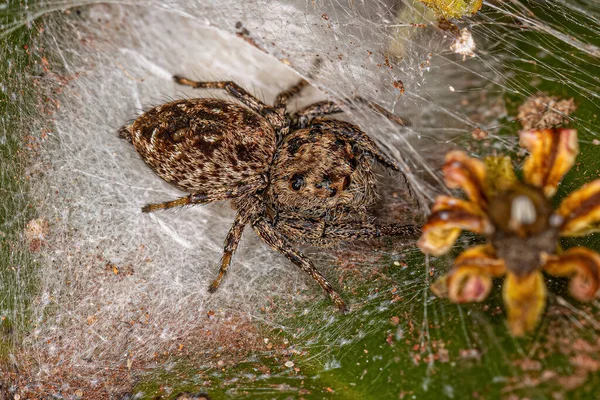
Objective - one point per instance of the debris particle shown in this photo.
(389, 339)
(192, 396)
(479, 134)
(448, 26)
(530, 365)
(443, 355)
(325, 17)
(289, 364)
(399, 85)
(395, 320)
(36, 232)
(544, 112)
(464, 44)
(470, 354)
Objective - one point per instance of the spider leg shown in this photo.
(360, 138)
(306, 115)
(320, 233)
(380, 110)
(284, 97)
(278, 242)
(125, 133)
(230, 246)
(204, 198)
(323, 108)
(232, 88)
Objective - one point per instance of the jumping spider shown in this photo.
(294, 177)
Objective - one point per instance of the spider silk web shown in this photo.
(120, 301)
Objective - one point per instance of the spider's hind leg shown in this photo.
(230, 87)
(125, 133)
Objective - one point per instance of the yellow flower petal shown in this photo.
(583, 265)
(525, 299)
(553, 153)
(581, 211)
(449, 217)
(466, 173)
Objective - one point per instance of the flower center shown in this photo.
(523, 227)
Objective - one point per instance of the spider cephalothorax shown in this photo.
(293, 177)
(319, 171)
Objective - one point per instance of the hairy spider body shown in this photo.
(191, 145)
(336, 174)
(295, 178)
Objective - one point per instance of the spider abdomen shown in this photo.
(200, 145)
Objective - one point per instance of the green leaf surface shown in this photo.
(399, 341)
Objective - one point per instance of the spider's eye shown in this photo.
(297, 181)
(346, 183)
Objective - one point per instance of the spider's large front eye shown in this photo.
(297, 181)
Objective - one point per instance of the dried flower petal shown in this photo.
(453, 8)
(581, 211)
(449, 217)
(525, 299)
(583, 265)
(471, 277)
(553, 153)
(464, 285)
(483, 257)
(500, 174)
(466, 173)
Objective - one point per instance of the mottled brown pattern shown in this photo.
(200, 145)
(294, 177)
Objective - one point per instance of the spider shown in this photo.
(293, 177)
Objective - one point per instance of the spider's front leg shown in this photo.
(321, 233)
(278, 242)
(324, 108)
(284, 97)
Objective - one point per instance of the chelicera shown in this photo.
(294, 177)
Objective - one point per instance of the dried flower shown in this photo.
(522, 228)
(453, 8)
